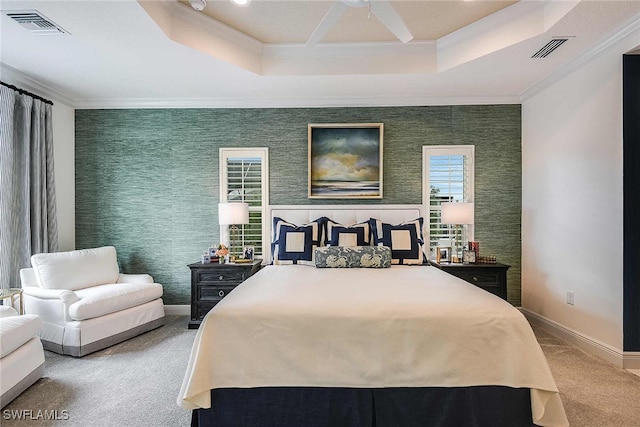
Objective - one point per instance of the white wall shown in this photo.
(572, 198)
(64, 165)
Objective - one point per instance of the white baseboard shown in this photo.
(177, 310)
(626, 360)
(631, 360)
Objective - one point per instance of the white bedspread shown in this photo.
(405, 326)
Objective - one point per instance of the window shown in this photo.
(244, 176)
(448, 176)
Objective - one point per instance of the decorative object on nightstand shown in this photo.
(443, 254)
(222, 253)
(210, 283)
(468, 256)
(490, 277)
(233, 214)
(491, 259)
(248, 252)
(457, 214)
(474, 246)
(213, 257)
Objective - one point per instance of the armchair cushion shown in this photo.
(16, 331)
(61, 294)
(135, 278)
(6, 311)
(75, 270)
(104, 299)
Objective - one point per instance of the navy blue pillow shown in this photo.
(405, 240)
(361, 234)
(293, 244)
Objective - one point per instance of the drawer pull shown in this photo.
(221, 293)
(221, 277)
(475, 279)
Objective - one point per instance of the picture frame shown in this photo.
(443, 254)
(248, 252)
(469, 256)
(475, 246)
(345, 160)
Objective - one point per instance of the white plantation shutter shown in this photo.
(448, 177)
(243, 178)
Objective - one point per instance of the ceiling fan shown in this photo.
(381, 8)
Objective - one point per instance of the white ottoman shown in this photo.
(21, 353)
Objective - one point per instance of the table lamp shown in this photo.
(233, 214)
(458, 214)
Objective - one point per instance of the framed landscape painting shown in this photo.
(345, 161)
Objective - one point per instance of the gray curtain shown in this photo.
(27, 195)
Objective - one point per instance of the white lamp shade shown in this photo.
(233, 213)
(457, 213)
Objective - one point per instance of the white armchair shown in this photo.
(85, 303)
(21, 353)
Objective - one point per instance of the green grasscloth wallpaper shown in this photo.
(147, 179)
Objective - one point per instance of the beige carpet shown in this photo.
(595, 393)
(136, 383)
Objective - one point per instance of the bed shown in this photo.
(404, 345)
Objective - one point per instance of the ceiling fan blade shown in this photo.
(391, 19)
(327, 22)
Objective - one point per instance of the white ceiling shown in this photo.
(165, 54)
(293, 21)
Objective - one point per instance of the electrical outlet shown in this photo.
(570, 297)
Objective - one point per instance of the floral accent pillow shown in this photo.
(353, 257)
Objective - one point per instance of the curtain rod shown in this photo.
(26, 92)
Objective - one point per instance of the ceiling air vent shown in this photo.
(36, 23)
(549, 47)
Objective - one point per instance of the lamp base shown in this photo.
(457, 259)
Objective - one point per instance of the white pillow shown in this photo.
(76, 269)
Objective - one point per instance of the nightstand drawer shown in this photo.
(236, 276)
(481, 278)
(204, 308)
(213, 293)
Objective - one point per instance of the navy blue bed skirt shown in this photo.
(480, 406)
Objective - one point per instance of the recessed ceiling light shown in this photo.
(198, 4)
(241, 2)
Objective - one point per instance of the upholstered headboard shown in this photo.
(344, 214)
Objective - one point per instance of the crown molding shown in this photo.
(294, 102)
(628, 29)
(12, 76)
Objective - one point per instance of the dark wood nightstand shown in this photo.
(212, 282)
(490, 277)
